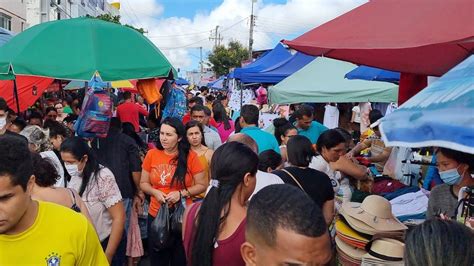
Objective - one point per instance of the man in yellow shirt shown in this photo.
(38, 233)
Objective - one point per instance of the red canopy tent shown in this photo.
(426, 37)
(29, 89)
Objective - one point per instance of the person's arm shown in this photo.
(381, 157)
(142, 111)
(134, 161)
(328, 211)
(146, 187)
(117, 213)
(360, 147)
(353, 116)
(348, 167)
(200, 185)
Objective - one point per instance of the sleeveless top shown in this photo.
(226, 252)
(74, 206)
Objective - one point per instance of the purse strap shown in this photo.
(294, 179)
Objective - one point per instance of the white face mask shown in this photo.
(72, 169)
(3, 122)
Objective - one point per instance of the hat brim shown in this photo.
(355, 253)
(376, 224)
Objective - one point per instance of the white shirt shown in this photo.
(212, 138)
(410, 204)
(331, 117)
(265, 179)
(356, 110)
(54, 160)
(318, 163)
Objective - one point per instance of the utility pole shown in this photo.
(252, 24)
(200, 62)
(216, 37)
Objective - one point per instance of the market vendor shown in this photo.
(379, 153)
(456, 169)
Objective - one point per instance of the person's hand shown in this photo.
(138, 204)
(173, 197)
(160, 196)
(109, 257)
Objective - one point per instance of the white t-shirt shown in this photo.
(265, 179)
(318, 163)
(356, 110)
(331, 116)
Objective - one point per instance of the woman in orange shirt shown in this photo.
(171, 171)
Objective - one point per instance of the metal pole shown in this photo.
(15, 92)
(251, 32)
(200, 62)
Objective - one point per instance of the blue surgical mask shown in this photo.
(451, 176)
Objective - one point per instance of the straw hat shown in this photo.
(374, 215)
(385, 249)
(355, 253)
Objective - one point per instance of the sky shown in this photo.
(180, 27)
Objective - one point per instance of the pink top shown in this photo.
(261, 95)
(227, 251)
(101, 193)
(223, 133)
(129, 112)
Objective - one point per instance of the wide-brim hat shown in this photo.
(385, 250)
(344, 229)
(375, 213)
(355, 253)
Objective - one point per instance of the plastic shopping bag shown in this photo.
(159, 233)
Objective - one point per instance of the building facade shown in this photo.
(39, 11)
(13, 15)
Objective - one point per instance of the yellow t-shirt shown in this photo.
(59, 236)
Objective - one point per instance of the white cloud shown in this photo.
(180, 37)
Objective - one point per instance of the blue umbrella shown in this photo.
(5, 36)
(441, 115)
(181, 82)
(372, 73)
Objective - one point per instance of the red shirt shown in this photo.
(187, 118)
(128, 112)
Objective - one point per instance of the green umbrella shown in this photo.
(75, 49)
(323, 80)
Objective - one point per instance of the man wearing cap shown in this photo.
(378, 152)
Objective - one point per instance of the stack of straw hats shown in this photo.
(356, 228)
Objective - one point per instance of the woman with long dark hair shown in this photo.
(284, 130)
(170, 172)
(315, 183)
(98, 189)
(195, 135)
(214, 229)
(225, 125)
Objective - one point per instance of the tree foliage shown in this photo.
(116, 19)
(224, 58)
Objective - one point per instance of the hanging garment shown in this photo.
(331, 116)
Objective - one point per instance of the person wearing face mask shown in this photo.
(98, 189)
(456, 169)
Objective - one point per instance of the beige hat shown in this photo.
(385, 249)
(355, 253)
(375, 213)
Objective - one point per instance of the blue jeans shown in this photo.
(128, 205)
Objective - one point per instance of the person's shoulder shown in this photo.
(67, 216)
(269, 178)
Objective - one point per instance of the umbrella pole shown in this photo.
(15, 93)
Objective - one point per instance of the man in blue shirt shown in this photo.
(305, 124)
(249, 121)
